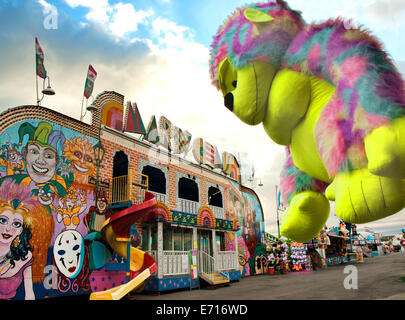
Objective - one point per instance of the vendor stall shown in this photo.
(337, 247)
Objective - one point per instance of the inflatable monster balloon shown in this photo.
(332, 96)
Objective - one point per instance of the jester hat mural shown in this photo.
(43, 134)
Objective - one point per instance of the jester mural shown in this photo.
(44, 197)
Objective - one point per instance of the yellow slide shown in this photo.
(116, 232)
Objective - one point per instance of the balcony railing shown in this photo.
(218, 212)
(120, 189)
(176, 263)
(226, 260)
(161, 197)
(129, 187)
(188, 206)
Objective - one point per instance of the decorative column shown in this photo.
(214, 250)
(149, 246)
(236, 254)
(195, 239)
(160, 249)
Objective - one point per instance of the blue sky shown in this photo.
(155, 52)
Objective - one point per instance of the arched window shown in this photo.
(119, 185)
(188, 189)
(215, 197)
(120, 165)
(156, 179)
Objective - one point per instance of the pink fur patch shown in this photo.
(287, 187)
(222, 53)
(314, 58)
(329, 139)
(376, 121)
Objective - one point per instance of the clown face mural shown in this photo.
(41, 162)
(68, 253)
(40, 152)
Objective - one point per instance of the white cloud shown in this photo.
(119, 19)
(126, 19)
(99, 9)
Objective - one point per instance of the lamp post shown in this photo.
(99, 152)
(98, 148)
(45, 91)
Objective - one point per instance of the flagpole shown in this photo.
(36, 81)
(81, 111)
(36, 76)
(277, 208)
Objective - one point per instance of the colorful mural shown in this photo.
(245, 207)
(44, 196)
(112, 115)
(50, 222)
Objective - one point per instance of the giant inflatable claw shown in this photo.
(332, 96)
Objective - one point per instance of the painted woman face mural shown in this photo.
(25, 234)
(68, 251)
(10, 226)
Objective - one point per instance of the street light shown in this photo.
(99, 151)
(45, 91)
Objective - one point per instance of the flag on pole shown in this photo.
(152, 134)
(132, 119)
(39, 58)
(91, 76)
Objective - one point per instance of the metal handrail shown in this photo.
(119, 191)
(206, 263)
(124, 188)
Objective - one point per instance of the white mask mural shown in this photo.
(68, 252)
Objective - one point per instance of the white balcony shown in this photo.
(176, 263)
(219, 212)
(161, 197)
(187, 206)
(226, 260)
